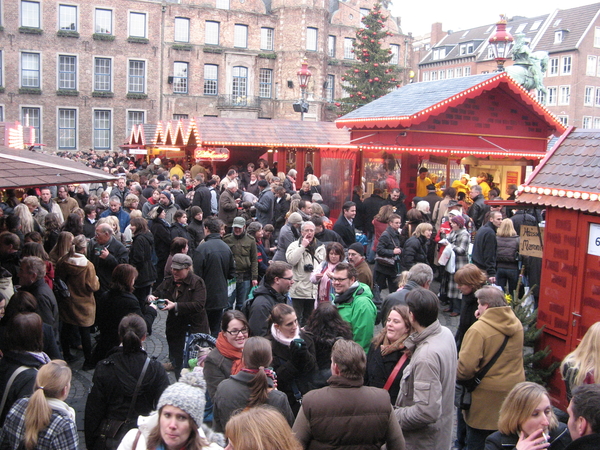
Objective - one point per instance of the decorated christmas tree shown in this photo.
(373, 76)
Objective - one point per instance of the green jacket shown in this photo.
(244, 254)
(357, 308)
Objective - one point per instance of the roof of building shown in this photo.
(574, 23)
(414, 103)
(568, 176)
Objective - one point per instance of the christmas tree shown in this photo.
(372, 77)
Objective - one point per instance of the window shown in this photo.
(597, 97)
(439, 53)
(459, 72)
(596, 123)
(67, 17)
(425, 76)
(266, 38)
(102, 74)
(521, 27)
(30, 70)
(564, 120)
(1, 113)
(434, 75)
(137, 77)
(102, 129)
(364, 12)
(596, 40)
(312, 35)
(103, 21)
(588, 96)
(222, 4)
(137, 25)
(134, 118)
(180, 78)
(449, 73)
(535, 25)
(564, 95)
(565, 68)
(467, 71)
(30, 14)
(67, 128)
(395, 54)
(265, 83)
(211, 33)
(551, 96)
(586, 123)
(442, 74)
(590, 68)
(240, 36)
(182, 29)
(348, 48)
(211, 82)
(490, 53)
(553, 67)
(67, 72)
(329, 90)
(331, 46)
(32, 117)
(541, 96)
(180, 116)
(239, 87)
(559, 36)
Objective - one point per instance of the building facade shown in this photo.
(83, 73)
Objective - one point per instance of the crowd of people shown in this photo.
(287, 300)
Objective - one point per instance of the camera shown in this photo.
(309, 267)
(297, 344)
(160, 303)
(98, 250)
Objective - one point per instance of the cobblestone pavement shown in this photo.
(156, 346)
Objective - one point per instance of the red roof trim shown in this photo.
(549, 155)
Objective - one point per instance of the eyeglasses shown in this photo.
(285, 278)
(338, 280)
(237, 332)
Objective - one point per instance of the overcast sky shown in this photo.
(458, 15)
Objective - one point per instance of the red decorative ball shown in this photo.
(351, 95)
(363, 97)
(373, 96)
(375, 65)
(374, 33)
(376, 78)
(359, 93)
(370, 81)
(398, 85)
(355, 70)
(372, 40)
(366, 71)
(343, 78)
(338, 104)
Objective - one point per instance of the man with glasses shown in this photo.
(354, 301)
(272, 290)
(106, 253)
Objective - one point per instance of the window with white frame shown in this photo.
(597, 97)
(541, 96)
(222, 4)
(103, 21)
(30, 70)
(211, 32)
(32, 117)
(239, 85)
(553, 67)
(597, 38)
(330, 88)
(467, 71)
(395, 54)
(102, 129)
(565, 68)
(434, 75)
(596, 123)
(331, 46)
(564, 120)
(552, 91)
(180, 77)
(137, 77)
(559, 36)
(137, 24)
(265, 83)
(442, 74)
(312, 35)
(459, 72)
(180, 116)
(240, 36)
(425, 76)
(67, 128)
(67, 17)
(30, 14)
(449, 73)
(535, 25)
(266, 38)
(590, 68)
(588, 96)
(586, 123)
(182, 29)
(348, 48)
(134, 118)
(102, 74)
(521, 27)
(67, 72)
(564, 95)
(211, 79)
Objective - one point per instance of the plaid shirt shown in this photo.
(60, 434)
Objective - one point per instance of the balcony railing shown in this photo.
(238, 101)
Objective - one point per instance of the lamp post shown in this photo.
(501, 43)
(303, 77)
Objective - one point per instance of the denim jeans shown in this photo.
(240, 294)
(510, 276)
(370, 251)
(476, 438)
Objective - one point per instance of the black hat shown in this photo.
(431, 187)
(358, 248)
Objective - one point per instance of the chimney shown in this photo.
(436, 33)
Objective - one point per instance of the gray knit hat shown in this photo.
(188, 394)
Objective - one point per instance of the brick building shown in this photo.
(82, 73)
(570, 36)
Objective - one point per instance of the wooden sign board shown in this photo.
(531, 240)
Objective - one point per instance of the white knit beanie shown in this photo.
(188, 394)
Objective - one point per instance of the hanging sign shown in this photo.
(211, 154)
(530, 243)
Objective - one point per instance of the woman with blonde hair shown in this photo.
(260, 428)
(582, 365)
(28, 224)
(44, 420)
(507, 256)
(527, 422)
(62, 247)
(416, 247)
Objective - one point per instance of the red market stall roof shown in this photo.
(219, 131)
(415, 103)
(23, 168)
(568, 176)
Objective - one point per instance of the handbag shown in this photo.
(386, 261)
(111, 431)
(61, 290)
(464, 388)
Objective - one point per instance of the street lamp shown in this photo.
(303, 77)
(501, 43)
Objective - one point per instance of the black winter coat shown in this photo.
(280, 209)
(202, 199)
(214, 263)
(415, 251)
(113, 386)
(379, 369)
(345, 230)
(196, 230)
(47, 307)
(388, 241)
(371, 206)
(484, 249)
(162, 239)
(559, 440)
(477, 211)
(118, 254)
(507, 253)
(265, 297)
(467, 317)
(178, 230)
(140, 257)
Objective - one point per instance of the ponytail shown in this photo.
(257, 355)
(259, 389)
(132, 330)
